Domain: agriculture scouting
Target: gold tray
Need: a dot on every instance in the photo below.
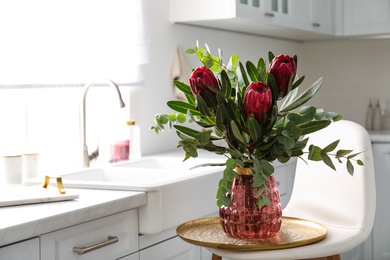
(294, 232)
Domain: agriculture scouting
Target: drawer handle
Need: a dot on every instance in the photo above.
(315, 24)
(269, 14)
(83, 250)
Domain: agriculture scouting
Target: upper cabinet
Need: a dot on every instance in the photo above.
(298, 20)
(366, 17)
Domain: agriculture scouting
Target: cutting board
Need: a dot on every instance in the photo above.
(20, 195)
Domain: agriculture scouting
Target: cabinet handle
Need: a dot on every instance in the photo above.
(83, 250)
(315, 24)
(269, 14)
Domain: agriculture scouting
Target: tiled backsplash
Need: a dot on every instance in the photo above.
(354, 71)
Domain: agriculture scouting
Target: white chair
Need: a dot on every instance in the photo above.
(344, 204)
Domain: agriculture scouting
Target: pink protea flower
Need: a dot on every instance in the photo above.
(257, 101)
(283, 68)
(201, 79)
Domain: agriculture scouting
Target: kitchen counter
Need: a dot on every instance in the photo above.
(25, 221)
(380, 136)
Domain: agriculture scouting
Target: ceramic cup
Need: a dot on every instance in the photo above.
(30, 166)
(11, 169)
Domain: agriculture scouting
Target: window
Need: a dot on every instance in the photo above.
(49, 50)
(70, 41)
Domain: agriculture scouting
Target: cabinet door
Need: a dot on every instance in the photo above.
(322, 16)
(134, 256)
(107, 238)
(314, 16)
(381, 232)
(172, 249)
(366, 17)
(25, 250)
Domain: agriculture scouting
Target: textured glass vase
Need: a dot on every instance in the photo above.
(243, 218)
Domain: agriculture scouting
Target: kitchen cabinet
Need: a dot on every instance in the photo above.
(174, 248)
(315, 16)
(24, 250)
(106, 238)
(366, 17)
(361, 252)
(381, 231)
(303, 20)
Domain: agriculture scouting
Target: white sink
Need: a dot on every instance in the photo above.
(175, 193)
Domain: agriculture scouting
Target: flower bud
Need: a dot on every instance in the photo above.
(283, 68)
(257, 101)
(201, 79)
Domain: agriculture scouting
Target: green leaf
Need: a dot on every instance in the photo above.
(183, 87)
(327, 160)
(289, 99)
(181, 118)
(320, 113)
(308, 112)
(223, 201)
(183, 107)
(271, 56)
(333, 116)
(258, 180)
(203, 108)
(297, 82)
(264, 201)
(236, 131)
(343, 153)
(314, 153)
(203, 137)
(260, 191)
(267, 167)
(187, 131)
(254, 128)
(242, 73)
(261, 68)
(350, 167)
(252, 71)
(305, 96)
(226, 86)
(313, 126)
(331, 147)
(162, 118)
(360, 162)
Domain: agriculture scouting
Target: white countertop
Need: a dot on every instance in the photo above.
(27, 221)
(380, 136)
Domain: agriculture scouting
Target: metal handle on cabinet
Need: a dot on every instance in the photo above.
(83, 250)
(269, 14)
(315, 24)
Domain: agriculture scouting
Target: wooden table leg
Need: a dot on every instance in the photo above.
(333, 257)
(216, 257)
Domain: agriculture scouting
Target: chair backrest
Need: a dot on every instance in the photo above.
(336, 197)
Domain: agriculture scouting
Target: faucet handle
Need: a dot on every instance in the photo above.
(94, 155)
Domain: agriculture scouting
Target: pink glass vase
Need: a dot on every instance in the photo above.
(243, 218)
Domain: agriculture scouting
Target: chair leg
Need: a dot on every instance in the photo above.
(216, 257)
(333, 257)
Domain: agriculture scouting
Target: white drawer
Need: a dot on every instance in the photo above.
(60, 245)
(25, 250)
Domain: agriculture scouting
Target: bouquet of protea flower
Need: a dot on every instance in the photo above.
(237, 115)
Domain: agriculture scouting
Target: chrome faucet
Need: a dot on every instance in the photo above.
(86, 156)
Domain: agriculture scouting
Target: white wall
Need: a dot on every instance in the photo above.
(163, 37)
(354, 71)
